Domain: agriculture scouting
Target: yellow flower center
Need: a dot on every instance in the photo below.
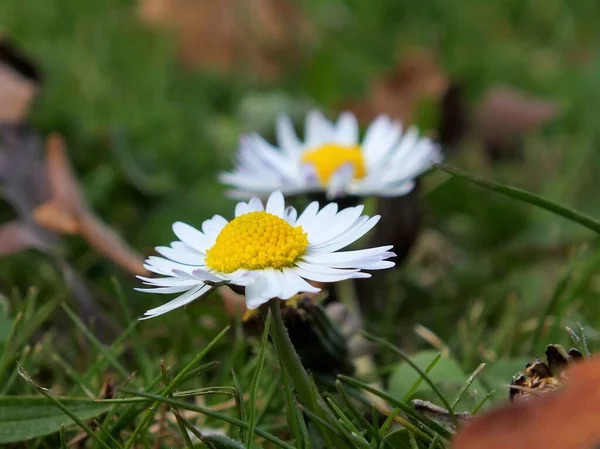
(328, 158)
(255, 241)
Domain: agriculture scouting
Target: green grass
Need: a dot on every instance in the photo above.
(147, 137)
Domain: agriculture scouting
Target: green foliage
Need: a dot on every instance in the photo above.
(446, 374)
(26, 417)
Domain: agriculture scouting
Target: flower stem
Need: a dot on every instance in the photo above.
(289, 358)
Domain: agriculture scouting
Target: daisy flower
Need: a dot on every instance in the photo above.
(332, 159)
(269, 250)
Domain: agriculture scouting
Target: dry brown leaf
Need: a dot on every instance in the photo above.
(108, 243)
(54, 216)
(398, 93)
(506, 113)
(67, 212)
(565, 419)
(226, 34)
(19, 84)
(63, 184)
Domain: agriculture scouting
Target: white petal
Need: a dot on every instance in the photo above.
(340, 224)
(318, 130)
(182, 300)
(260, 291)
(406, 146)
(309, 176)
(274, 158)
(316, 256)
(289, 286)
(400, 190)
(381, 265)
(346, 132)
(286, 136)
(364, 264)
(352, 235)
(185, 275)
(309, 214)
(241, 209)
(256, 204)
(323, 277)
(321, 220)
(184, 257)
(359, 222)
(257, 181)
(163, 290)
(290, 215)
(380, 138)
(204, 275)
(164, 266)
(323, 269)
(180, 246)
(339, 181)
(191, 236)
(299, 282)
(276, 204)
(168, 281)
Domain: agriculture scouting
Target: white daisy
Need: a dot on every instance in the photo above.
(271, 251)
(332, 159)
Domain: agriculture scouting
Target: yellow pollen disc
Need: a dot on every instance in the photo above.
(255, 241)
(328, 158)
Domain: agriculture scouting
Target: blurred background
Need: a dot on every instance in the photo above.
(117, 115)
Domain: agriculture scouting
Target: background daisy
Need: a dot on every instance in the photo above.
(333, 159)
(269, 250)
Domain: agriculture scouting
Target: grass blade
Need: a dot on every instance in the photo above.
(482, 402)
(355, 412)
(256, 381)
(195, 408)
(294, 418)
(239, 400)
(524, 196)
(270, 396)
(423, 374)
(467, 384)
(419, 381)
(140, 349)
(87, 429)
(99, 346)
(169, 388)
(433, 426)
(166, 380)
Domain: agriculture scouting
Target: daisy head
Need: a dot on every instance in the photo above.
(269, 250)
(332, 159)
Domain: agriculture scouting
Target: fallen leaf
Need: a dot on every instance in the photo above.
(506, 113)
(63, 184)
(54, 216)
(67, 211)
(25, 186)
(398, 93)
(108, 243)
(264, 35)
(564, 419)
(19, 83)
(543, 377)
